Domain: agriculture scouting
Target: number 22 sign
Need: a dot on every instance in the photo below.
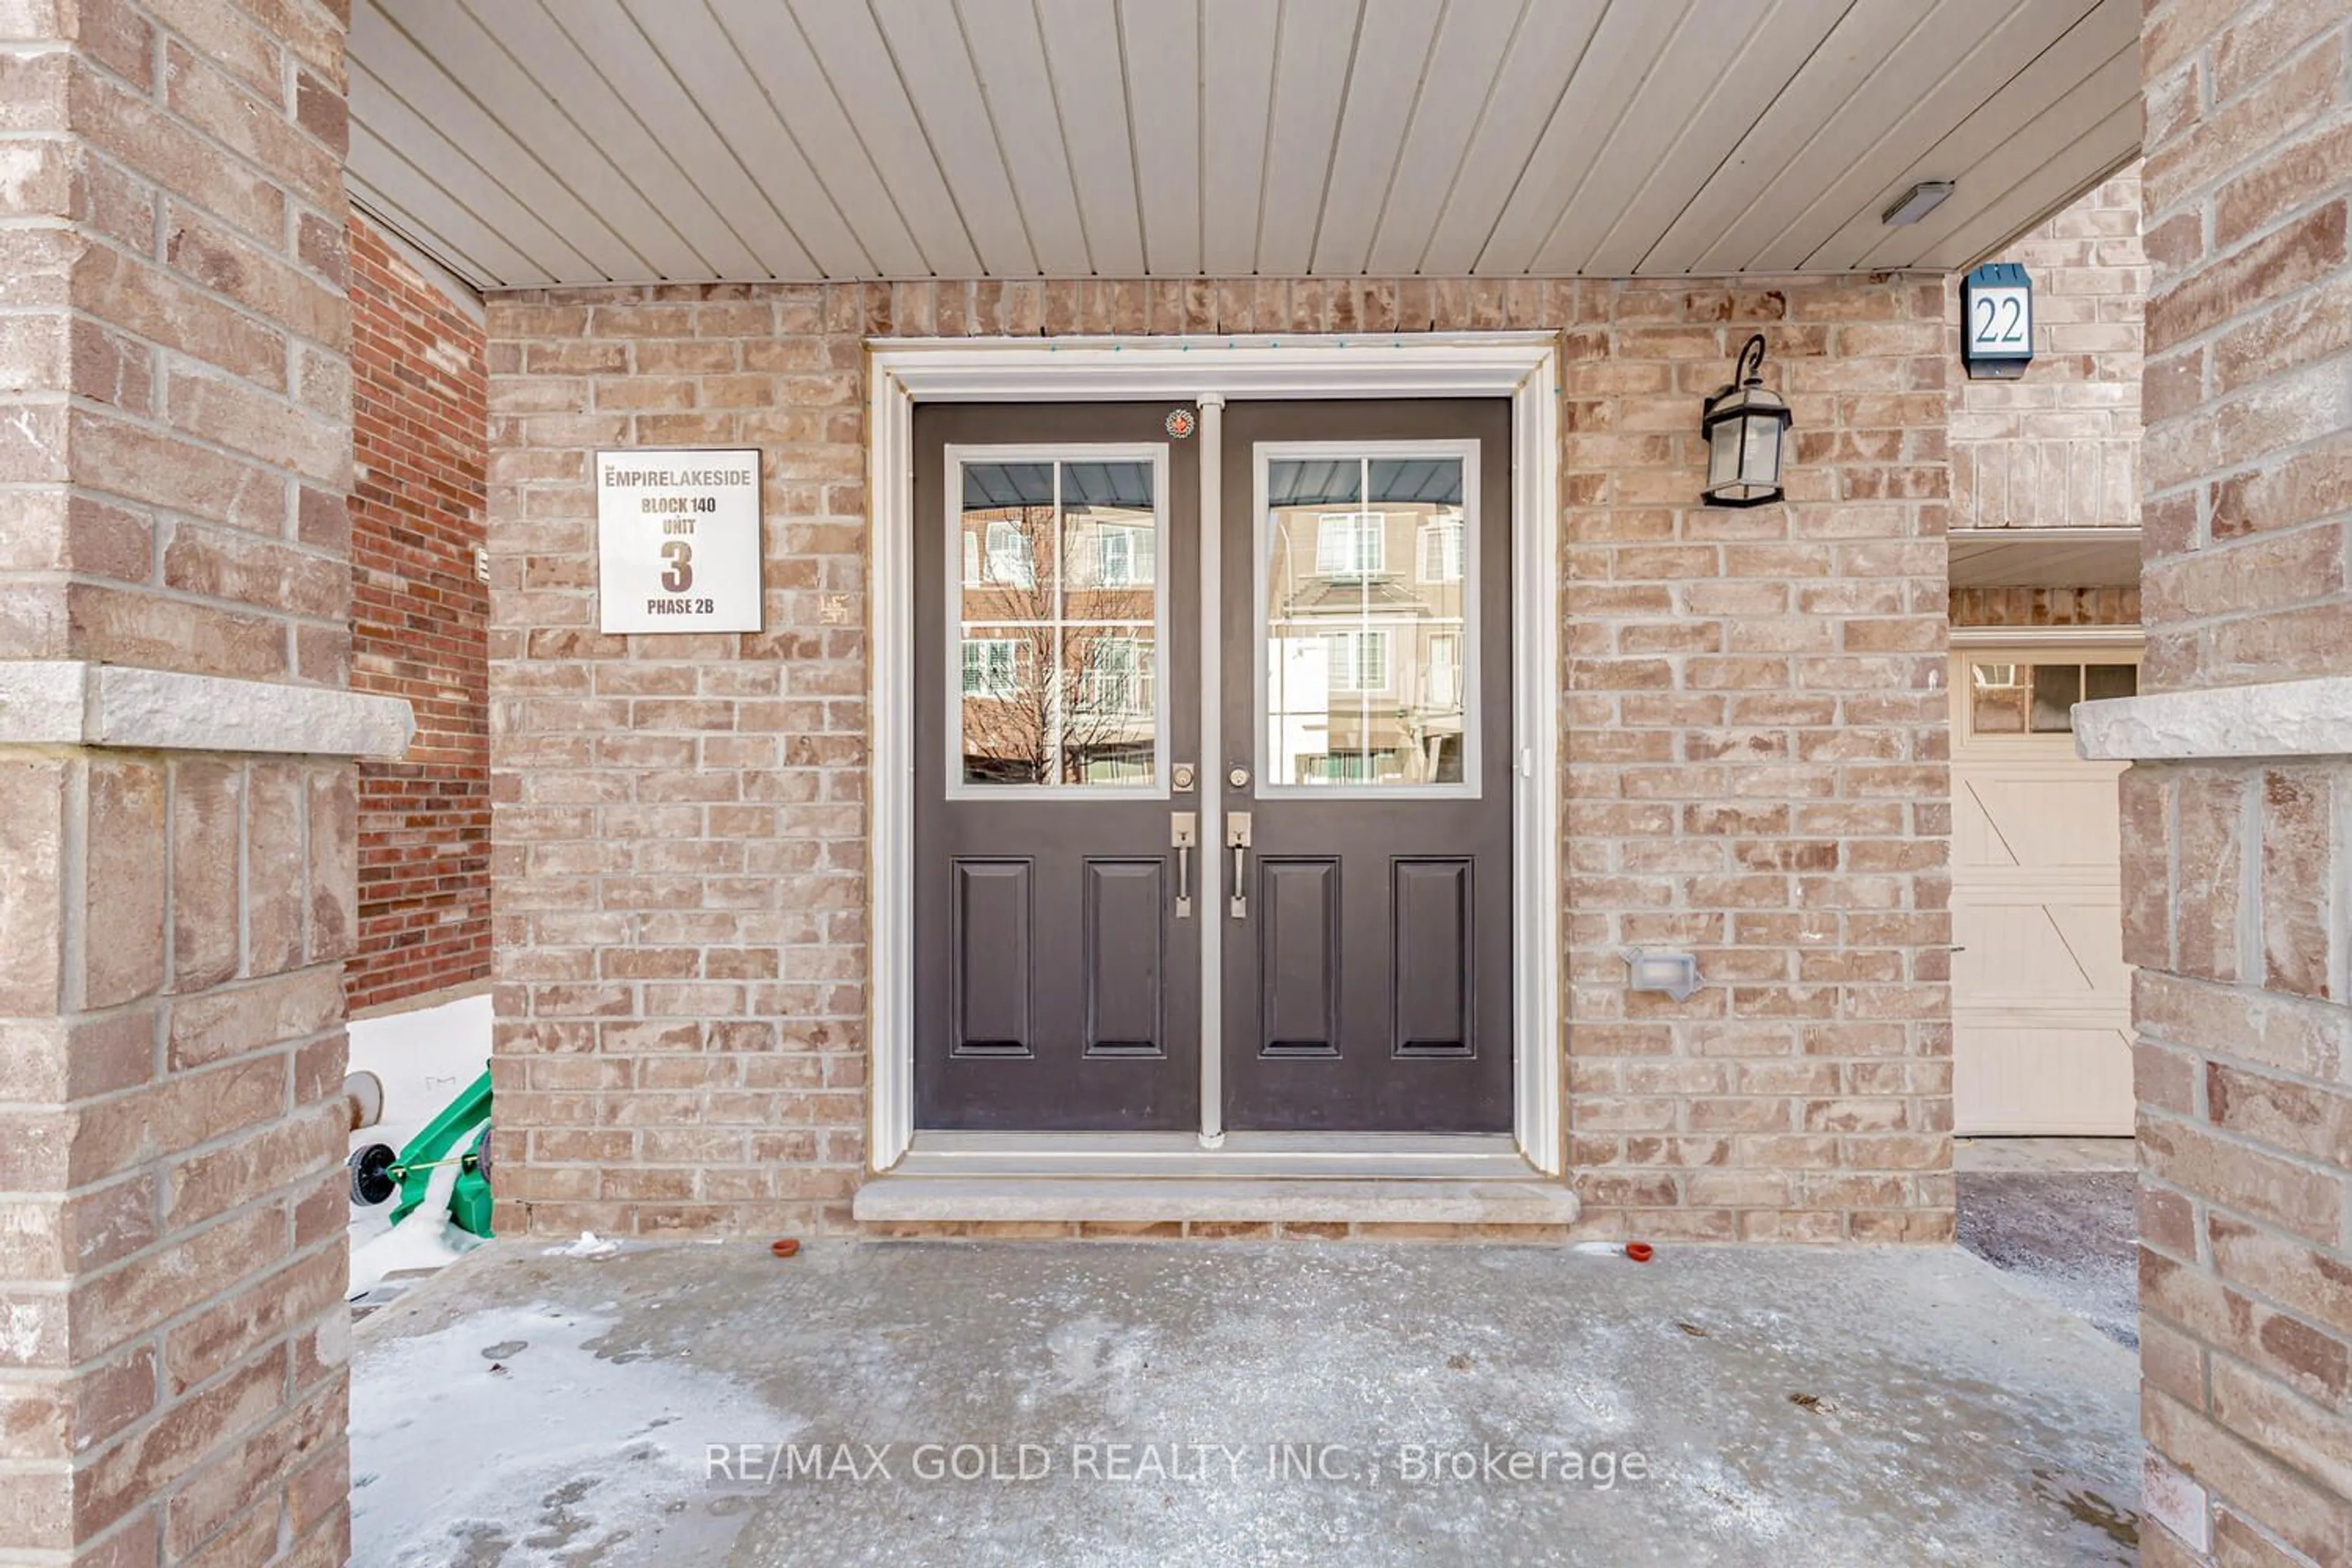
(1997, 320)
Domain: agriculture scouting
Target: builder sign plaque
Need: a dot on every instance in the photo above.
(678, 541)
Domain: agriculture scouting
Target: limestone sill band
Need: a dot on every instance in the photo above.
(74, 702)
(2304, 718)
(2310, 718)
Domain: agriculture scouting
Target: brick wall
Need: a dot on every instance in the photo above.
(419, 628)
(2028, 607)
(2238, 872)
(2059, 447)
(182, 352)
(678, 840)
(1755, 742)
(175, 444)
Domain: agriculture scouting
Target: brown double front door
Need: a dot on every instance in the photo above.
(1307, 763)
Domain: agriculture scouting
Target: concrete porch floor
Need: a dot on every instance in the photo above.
(1865, 1406)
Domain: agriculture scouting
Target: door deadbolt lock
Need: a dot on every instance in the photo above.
(1238, 777)
(1183, 777)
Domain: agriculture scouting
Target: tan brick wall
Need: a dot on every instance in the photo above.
(176, 451)
(2045, 607)
(2059, 447)
(2238, 874)
(1757, 745)
(195, 304)
(1754, 730)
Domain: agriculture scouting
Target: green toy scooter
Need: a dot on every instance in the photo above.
(460, 1135)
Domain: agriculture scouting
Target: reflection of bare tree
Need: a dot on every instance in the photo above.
(1067, 695)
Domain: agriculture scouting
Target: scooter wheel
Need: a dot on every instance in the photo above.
(372, 1178)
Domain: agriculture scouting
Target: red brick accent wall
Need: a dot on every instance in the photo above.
(2238, 872)
(420, 621)
(1754, 723)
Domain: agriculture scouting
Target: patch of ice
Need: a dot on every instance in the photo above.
(1738, 1505)
(557, 1455)
(1091, 1350)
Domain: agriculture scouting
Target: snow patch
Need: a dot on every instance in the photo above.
(425, 1238)
(554, 1454)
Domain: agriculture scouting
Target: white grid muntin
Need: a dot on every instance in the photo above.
(959, 457)
(1467, 673)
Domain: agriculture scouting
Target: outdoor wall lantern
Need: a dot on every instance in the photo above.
(1743, 425)
(1674, 974)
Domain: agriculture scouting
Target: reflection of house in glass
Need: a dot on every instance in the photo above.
(1057, 617)
(1367, 669)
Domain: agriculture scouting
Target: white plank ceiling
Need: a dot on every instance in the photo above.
(532, 141)
(2045, 557)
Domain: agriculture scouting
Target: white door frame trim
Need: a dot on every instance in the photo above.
(1522, 367)
(1976, 640)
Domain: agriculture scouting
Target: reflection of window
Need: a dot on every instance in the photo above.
(1357, 661)
(1444, 671)
(992, 667)
(1441, 550)
(1118, 676)
(1053, 627)
(1008, 556)
(2038, 699)
(1123, 558)
(1351, 544)
(1337, 767)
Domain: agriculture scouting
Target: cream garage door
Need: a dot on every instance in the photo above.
(2040, 997)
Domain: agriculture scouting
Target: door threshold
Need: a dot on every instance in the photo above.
(1316, 1156)
(1250, 1178)
(1247, 1200)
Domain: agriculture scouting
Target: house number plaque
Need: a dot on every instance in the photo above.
(678, 541)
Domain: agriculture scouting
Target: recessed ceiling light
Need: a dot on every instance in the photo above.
(1918, 202)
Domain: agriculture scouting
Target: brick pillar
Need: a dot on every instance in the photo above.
(177, 858)
(2237, 814)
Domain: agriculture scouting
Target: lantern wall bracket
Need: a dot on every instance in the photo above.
(1746, 427)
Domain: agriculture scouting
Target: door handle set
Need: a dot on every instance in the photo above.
(1237, 839)
(1184, 833)
(1184, 837)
